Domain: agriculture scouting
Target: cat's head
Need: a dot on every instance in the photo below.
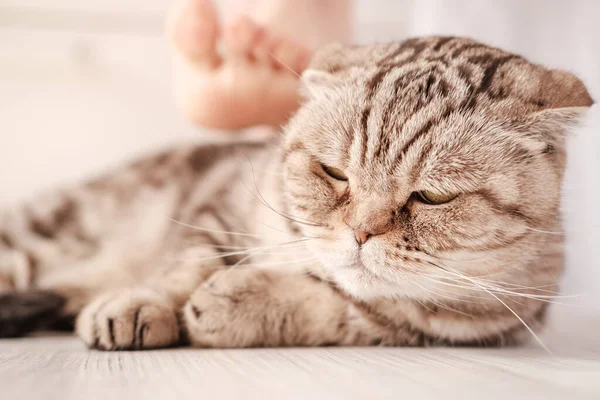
(426, 168)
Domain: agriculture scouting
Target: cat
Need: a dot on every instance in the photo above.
(407, 203)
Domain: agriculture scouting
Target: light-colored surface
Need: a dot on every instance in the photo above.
(85, 84)
(61, 368)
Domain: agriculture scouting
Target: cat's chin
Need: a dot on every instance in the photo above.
(355, 280)
(344, 265)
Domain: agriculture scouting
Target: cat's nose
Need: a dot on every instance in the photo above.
(361, 236)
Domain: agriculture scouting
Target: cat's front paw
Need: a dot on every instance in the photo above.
(231, 309)
(129, 319)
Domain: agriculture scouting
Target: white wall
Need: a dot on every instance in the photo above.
(85, 83)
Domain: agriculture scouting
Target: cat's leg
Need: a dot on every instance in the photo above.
(123, 213)
(143, 316)
(251, 308)
(78, 242)
(146, 316)
(131, 318)
(83, 238)
(53, 247)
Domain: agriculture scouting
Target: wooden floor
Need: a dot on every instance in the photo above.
(60, 367)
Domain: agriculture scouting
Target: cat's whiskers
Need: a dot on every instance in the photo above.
(509, 285)
(496, 290)
(486, 254)
(499, 269)
(438, 257)
(266, 264)
(262, 201)
(452, 309)
(535, 336)
(509, 288)
(255, 250)
(198, 228)
(286, 232)
(439, 304)
(434, 302)
(409, 279)
(197, 243)
(241, 262)
(543, 231)
(424, 306)
(283, 64)
(202, 246)
(227, 270)
(258, 196)
(462, 295)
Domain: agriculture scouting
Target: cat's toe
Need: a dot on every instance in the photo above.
(225, 310)
(206, 316)
(129, 320)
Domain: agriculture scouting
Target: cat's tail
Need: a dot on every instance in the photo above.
(23, 312)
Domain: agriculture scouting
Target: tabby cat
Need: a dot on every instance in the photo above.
(406, 203)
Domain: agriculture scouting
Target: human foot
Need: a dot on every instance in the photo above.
(253, 82)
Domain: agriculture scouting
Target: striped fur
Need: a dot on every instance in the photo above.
(252, 244)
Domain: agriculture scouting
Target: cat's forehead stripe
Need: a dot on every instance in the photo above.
(364, 129)
(485, 64)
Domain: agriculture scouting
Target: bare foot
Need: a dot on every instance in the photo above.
(253, 81)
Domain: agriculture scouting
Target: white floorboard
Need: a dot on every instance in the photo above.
(60, 367)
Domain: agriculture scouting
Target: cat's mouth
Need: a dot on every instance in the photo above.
(357, 263)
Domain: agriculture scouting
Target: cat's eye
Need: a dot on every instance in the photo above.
(429, 197)
(335, 173)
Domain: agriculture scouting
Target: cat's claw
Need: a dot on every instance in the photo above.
(132, 319)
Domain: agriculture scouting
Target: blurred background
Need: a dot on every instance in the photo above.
(85, 84)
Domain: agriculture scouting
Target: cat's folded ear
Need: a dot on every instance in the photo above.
(565, 101)
(318, 84)
(561, 89)
(328, 67)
